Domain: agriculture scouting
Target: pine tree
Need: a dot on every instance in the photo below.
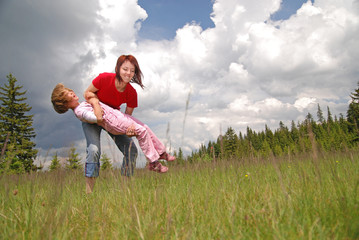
(320, 115)
(73, 160)
(353, 111)
(55, 163)
(16, 129)
(180, 155)
(330, 118)
(105, 162)
(230, 142)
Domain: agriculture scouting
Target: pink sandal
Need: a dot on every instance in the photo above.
(157, 167)
(167, 157)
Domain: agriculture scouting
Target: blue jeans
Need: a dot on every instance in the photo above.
(93, 150)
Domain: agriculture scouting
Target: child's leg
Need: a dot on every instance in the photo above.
(149, 143)
(146, 144)
(90, 183)
(157, 144)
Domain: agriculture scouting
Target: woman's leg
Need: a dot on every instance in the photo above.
(93, 151)
(129, 150)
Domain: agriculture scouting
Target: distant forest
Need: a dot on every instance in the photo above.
(310, 136)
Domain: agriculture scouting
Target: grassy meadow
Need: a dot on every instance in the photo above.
(302, 198)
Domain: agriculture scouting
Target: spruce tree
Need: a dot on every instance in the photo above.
(73, 160)
(16, 129)
(353, 111)
(105, 162)
(55, 163)
(230, 142)
(330, 117)
(320, 115)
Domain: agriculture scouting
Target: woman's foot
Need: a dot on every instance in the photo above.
(156, 166)
(167, 157)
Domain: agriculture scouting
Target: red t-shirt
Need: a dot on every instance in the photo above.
(108, 94)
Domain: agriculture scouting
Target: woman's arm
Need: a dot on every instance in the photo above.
(129, 111)
(91, 97)
(90, 92)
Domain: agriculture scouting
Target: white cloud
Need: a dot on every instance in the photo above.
(245, 71)
(303, 103)
(250, 71)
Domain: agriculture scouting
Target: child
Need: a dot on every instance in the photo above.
(115, 122)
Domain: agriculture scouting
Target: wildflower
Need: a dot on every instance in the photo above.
(246, 175)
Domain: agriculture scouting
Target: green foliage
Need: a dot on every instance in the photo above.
(353, 111)
(73, 162)
(230, 142)
(16, 129)
(105, 162)
(320, 115)
(55, 163)
(328, 135)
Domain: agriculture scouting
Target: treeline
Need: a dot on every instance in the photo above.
(328, 134)
(309, 136)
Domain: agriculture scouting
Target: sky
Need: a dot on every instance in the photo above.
(207, 64)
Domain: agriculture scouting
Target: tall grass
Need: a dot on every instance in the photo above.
(298, 199)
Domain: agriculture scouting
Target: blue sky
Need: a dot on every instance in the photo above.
(242, 65)
(166, 16)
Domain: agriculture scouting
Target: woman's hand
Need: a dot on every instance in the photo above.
(97, 109)
(98, 113)
(129, 111)
(130, 132)
(91, 97)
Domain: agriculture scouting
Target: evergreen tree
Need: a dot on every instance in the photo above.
(320, 115)
(73, 160)
(294, 132)
(16, 128)
(265, 150)
(353, 116)
(330, 118)
(353, 111)
(55, 163)
(180, 155)
(309, 118)
(230, 140)
(105, 162)
(269, 136)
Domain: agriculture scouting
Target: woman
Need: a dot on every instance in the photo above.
(112, 89)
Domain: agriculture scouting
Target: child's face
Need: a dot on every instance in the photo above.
(72, 99)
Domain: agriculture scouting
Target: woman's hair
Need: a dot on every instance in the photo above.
(59, 98)
(138, 74)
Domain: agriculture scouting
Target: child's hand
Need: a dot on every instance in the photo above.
(131, 131)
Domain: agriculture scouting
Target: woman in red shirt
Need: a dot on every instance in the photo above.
(113, 89)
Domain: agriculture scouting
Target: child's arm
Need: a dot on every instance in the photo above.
(89, 117)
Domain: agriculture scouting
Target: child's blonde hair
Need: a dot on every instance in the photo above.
(59, 98)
